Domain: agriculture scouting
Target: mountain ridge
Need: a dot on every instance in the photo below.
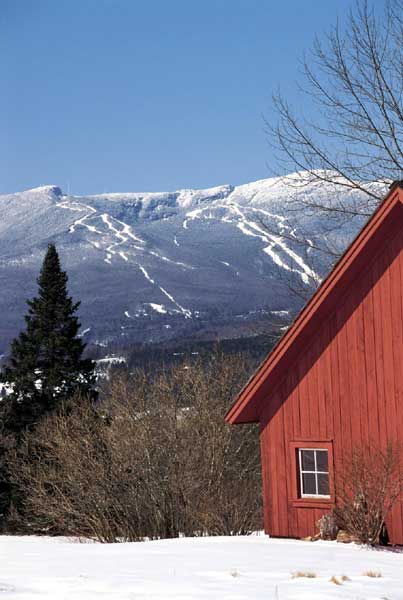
(163, 265)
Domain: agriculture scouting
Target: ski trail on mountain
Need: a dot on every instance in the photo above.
(185, 311)
(124, 234)
(251, 228)
(273, 240)
(126, 240)
(123, 237)
(80, 207)
(169, 260)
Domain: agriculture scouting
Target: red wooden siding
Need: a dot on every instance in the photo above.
(344, 388)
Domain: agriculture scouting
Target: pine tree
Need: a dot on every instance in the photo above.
(46, 365)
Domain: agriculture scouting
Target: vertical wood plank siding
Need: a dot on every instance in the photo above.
(345, 387)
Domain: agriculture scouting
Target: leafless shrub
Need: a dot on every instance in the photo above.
(154, 459)
(328, 527)
(367, 487)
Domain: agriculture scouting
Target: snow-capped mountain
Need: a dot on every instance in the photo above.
(155, 266)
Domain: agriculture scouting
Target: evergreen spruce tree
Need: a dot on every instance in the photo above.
(46, 365)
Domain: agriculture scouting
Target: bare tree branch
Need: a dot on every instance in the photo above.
(353, 79)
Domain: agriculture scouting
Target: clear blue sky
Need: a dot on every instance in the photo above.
(145, 95)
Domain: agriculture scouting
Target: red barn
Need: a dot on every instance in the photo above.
(334, 381)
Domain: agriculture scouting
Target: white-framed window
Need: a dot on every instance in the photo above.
(314, 472)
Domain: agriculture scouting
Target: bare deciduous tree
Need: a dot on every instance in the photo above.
(353, 82)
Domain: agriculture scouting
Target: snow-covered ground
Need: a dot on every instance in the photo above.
(219, 568)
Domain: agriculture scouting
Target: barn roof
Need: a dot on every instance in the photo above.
(384, 223)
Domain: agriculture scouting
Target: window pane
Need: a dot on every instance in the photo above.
(309, 484)
(323, 484)
(308, 460)
(321, 460)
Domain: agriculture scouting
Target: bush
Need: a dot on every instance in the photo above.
(328, 527)
(153, 459)
(371, 484)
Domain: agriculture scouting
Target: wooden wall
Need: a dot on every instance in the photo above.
(345, 388)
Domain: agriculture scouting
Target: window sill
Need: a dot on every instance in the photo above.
(312, 503)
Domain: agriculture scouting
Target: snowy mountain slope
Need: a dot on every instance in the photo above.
(155, 266)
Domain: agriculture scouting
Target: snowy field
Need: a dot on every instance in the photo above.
(202, 568)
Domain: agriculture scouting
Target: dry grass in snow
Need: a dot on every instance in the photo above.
(224, 568)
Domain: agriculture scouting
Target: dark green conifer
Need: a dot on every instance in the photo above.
(46, 365)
